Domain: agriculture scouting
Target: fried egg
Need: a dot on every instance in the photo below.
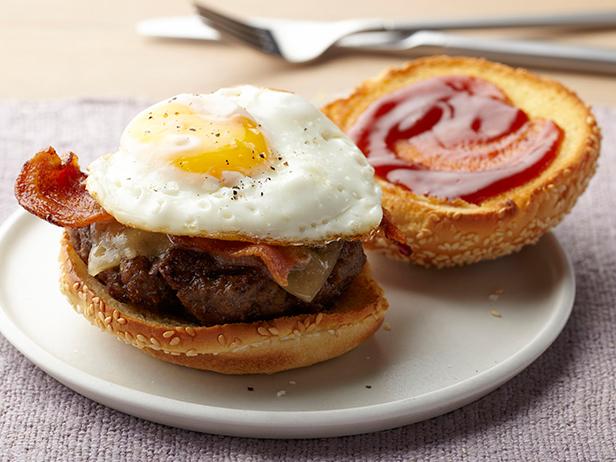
(241, 163)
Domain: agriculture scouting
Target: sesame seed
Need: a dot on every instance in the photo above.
(153, 341)
(273, 331)
(281, 393)
(190, 331)
(496, 314)
(121, 321)
(141, 338)
(221, 339)
(263, 331)
(174, 341)
(168, 333)
(191, 352)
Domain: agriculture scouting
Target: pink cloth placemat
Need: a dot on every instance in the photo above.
(563, 407)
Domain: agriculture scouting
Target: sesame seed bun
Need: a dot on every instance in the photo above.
(449, 233)
(261, 347)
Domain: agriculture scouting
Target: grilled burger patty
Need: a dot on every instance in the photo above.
(194, 284)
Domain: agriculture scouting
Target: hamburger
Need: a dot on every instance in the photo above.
(224, 234)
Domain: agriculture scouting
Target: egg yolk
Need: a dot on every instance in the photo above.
(234, 144)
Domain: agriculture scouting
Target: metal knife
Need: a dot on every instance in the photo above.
(515, 52)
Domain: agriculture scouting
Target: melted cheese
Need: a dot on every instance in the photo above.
(306, 282)
(111, 242)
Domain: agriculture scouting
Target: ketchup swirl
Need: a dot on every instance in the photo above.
(454, 137)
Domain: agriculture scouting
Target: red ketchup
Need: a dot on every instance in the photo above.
(454, 137)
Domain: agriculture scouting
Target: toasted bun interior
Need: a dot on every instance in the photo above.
(446, 233)
(261, 347)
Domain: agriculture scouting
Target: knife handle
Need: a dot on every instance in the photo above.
(515, 52)
(600, 19)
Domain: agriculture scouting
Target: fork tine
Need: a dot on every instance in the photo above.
(250, 39)
(214, 16)
(263, 44)
(257, 37)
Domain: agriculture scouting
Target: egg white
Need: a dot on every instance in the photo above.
(318, 187)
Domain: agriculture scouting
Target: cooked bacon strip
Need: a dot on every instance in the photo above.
(393, 233)
(55, 191)
(278, 260)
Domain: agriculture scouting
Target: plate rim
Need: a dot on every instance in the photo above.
(283, 423)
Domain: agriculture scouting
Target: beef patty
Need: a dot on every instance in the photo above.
(192, 283)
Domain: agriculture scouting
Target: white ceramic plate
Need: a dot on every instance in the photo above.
(447, 342)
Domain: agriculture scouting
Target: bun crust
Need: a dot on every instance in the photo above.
(261, 347)
(450, 233)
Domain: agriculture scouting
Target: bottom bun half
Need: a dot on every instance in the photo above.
(260, 347)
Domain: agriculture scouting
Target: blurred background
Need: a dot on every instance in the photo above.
(74, 48)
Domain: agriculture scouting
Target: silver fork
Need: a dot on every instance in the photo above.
(304, 41)
(296, 42)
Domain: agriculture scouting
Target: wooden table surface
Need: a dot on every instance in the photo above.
(77, 48)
